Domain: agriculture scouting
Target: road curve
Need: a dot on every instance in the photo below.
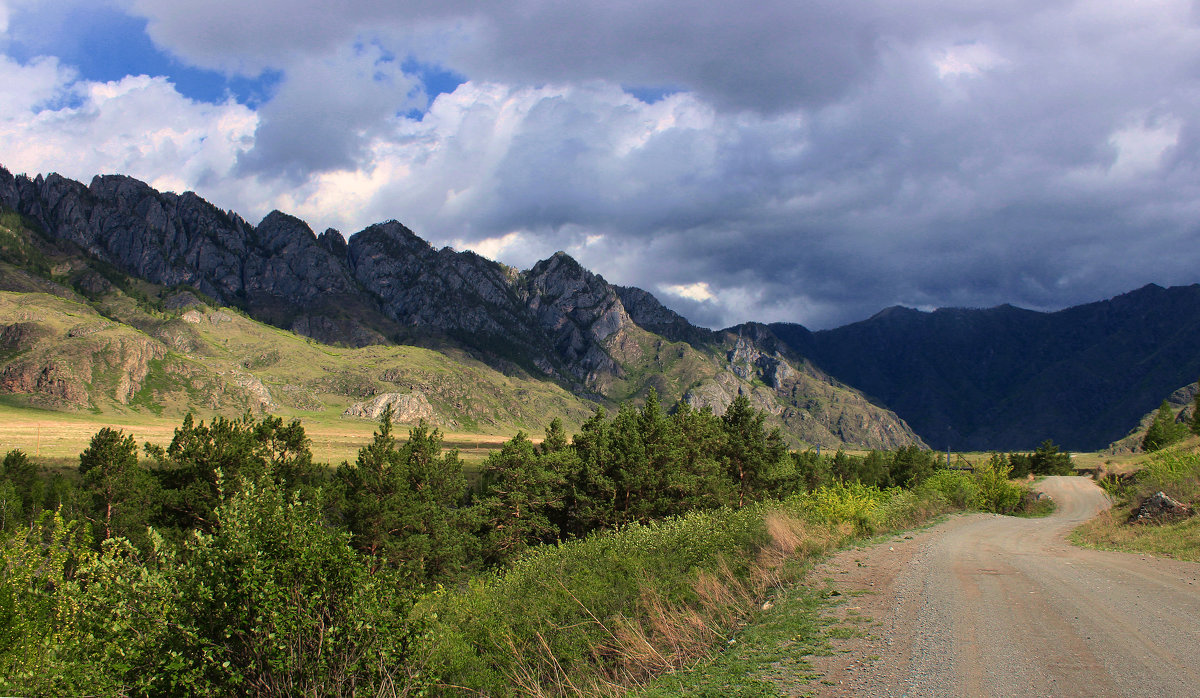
(987, 605)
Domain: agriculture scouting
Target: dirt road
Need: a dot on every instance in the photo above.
(987, 605)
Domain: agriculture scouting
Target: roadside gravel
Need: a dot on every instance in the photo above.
(987, 605)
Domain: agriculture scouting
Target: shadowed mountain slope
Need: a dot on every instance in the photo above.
(1006, 378)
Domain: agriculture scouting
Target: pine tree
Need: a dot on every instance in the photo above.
(405, 506)
(1164, 430)
(1048, 460)
(520, 496)
(593, 489)
(754, 457)
(122, 491)
(698, 480)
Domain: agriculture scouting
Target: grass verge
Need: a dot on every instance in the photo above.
(608, 613)
(1176, 472)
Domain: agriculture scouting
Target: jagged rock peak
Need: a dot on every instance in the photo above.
(333, 241)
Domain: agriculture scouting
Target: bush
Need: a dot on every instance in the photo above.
(272, 602)
(1177, 474)
(996, 493)
(959, 488)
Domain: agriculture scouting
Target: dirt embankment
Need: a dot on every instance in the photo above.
(987, 605)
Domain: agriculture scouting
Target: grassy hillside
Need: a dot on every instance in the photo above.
(117, 358)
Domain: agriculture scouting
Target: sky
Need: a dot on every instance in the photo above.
(810, 162)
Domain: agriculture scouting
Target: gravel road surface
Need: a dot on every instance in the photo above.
(987, 605)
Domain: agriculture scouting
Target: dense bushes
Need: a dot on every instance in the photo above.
(273, 602)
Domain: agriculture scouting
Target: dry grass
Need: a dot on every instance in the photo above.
(1109, 531)
(51, 437)
(666, 637)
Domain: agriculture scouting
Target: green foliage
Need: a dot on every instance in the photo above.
(756, 460)
(1164, 429)
(405, 505)
(911, 465)
(273, 602)
(38, 606)
(21, 490)
(996, 492)
(524, 491)
(202, 460)
(841, 501)
(1048, 460)
(277, 603)
(124, 495)
(1177, 474)
(960, 489)
(811, 470)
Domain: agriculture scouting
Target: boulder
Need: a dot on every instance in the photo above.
(1160, 508)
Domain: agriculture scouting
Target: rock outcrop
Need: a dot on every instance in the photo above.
(1160, 508)
(406, 407)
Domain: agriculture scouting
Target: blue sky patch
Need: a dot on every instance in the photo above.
(103, 45)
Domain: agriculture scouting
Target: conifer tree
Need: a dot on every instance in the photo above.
(521, 494)
(698, 480)
(754, 457)
(405, 506)
(123, 493)
(593, 489)
(1164, 430)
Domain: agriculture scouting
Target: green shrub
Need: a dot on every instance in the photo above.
(840, 502)
(996, 492)
(1177, 474)
(272, 602)
(959, 488)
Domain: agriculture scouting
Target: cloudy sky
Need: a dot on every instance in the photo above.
(810, 161)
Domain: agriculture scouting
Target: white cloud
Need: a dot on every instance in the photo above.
(967, 59)
(494, 247)
(697, 291)
(1140, 148)
(52, 122)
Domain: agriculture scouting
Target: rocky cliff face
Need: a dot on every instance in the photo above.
(387, 285)
(278, 270)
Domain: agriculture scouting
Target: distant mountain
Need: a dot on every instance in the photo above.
(1006, 378)
(118, 240)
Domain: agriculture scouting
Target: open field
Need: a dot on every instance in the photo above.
(58, 437)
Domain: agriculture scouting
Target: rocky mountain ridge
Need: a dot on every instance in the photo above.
(385, 285)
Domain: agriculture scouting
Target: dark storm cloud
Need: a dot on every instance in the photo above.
(812, 161)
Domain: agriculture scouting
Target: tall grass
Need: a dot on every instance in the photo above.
(597, 615)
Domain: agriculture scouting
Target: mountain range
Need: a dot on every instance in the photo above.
(144, 260)
(163, 265)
